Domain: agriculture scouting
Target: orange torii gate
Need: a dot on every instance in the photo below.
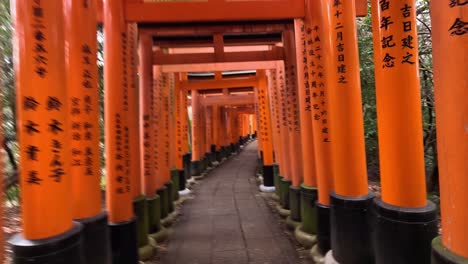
(309, 122)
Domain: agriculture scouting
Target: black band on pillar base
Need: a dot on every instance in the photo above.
(63, 248)
(350, 220)
(323, 228)
(284, 193)
(442, 255)
(268, 176)
(404, 235)
(95, 243)
(170, 197)
(187, 165)
(295, 203)
(308, 209)
(124, 242)
(195, 167)
(163, 196)
(140, 210)
(182, 185)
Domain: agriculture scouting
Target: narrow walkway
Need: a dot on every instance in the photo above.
(228, 222)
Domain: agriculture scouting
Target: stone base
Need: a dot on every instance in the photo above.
(63, 248)
(170, 219)
(185, 192)
(329, 259)
(305, 239)
(316, 256)
(291, 224)
(267, 189)
(442, 255)
(159, 236)
(146, 252)
(283, 212)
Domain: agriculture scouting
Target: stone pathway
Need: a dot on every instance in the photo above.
(228, 222)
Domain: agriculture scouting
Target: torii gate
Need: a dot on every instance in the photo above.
(308, 115)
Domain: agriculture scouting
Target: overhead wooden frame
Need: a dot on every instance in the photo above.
(221, 66)
(220, 84)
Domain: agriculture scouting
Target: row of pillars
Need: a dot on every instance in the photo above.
(311, 134)
(147, 151)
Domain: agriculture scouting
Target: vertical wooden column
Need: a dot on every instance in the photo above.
(318, 31)
(118, 181)
(178, 172)
(196, 137)
(149, 210)
(43, 134)
(258, 124)
(216, 132)
(401, 149)
(349, 243)
(265, 132)
(276, 127)
(308, 190)
(294, 123)
(187, 158)
(83, 121)
(210, 145)
(286, 167)
(450, 36)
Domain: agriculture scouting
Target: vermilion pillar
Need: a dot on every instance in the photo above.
(318, 30)
(401, 147)
(196, 137)
(285, 168)
(185, 131)
(118, 181)
(149, 210)
(169, 139)
(308, 190)
(180, 181)
(265, 132)
(276, 127)
(210, 147)
(294, 123)
(43, 132)
(450, 36)
(216, 132)
(350, 227)
(83, 122)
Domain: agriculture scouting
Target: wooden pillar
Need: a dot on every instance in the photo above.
(118, 181)
(346, 122)
(196, 137)
(265, 132)
(401, 150)
(216, 130)
(149, 209)
(83, 121)
(178, 172)
(187, 156)
(450, 36)
(318, 30)
(294, 123)
(43, 136)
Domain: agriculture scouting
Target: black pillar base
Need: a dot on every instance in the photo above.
(295, 203)
(276, 178)
(176, 183)
(124, 242)
(308, 209)
(350, 221)
(182, 183)
(404, 235)
(164, 198)
(95, 243)
(154, 214)
(268, 176)
(187, 165)
(442, 255)
(195, 167)
(284, 196)
(323, 228)
(64, 248)
(140, 211)
(170, 197)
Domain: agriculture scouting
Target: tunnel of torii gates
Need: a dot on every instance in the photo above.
(286, 72)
